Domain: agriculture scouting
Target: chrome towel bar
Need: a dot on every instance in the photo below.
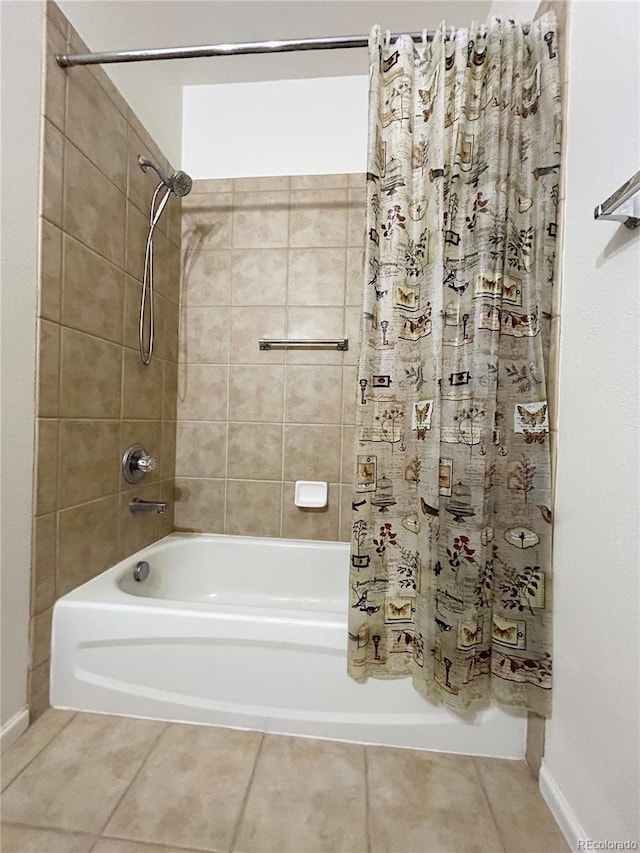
(288, 343)
(619, 206)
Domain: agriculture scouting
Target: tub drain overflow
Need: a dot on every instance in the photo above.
(141, 571)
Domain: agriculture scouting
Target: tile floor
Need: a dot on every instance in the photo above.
(75, 783)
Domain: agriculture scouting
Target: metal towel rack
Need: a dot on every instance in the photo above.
(620, 206)
(287, 343)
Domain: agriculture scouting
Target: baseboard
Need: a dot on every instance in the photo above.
(560, 809)
(13, 728)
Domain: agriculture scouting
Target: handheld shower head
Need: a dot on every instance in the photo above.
(179, 183)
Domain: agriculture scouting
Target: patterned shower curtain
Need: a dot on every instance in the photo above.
(452, 526)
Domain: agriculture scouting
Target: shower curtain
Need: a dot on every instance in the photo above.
(451, 547)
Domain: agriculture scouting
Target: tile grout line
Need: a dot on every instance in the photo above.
(48, 743)
(489, 805)
(143, 763)
(245, 799)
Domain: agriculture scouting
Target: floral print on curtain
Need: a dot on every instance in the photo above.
(451, 549)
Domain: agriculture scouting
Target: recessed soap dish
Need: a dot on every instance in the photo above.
(310, 494)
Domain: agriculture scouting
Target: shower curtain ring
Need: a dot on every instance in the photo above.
(424, 37)
(387, 38)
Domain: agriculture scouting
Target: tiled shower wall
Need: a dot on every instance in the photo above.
(94, 398)
(268, 257)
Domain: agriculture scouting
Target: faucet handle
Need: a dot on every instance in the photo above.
(146, 463)
(136, 462)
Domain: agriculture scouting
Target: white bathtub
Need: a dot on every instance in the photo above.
(249, 633)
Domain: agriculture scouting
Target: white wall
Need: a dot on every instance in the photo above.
(593, 750)
(22, 37)
(281, 127)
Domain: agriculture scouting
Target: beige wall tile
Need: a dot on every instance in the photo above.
(346, 514)
(91, 789)
(50, 271)
(40, 637)
(252, 185)
(46, 465)
(92, 292)
(300, 523)
(43, 563)
(199, 505)
(205, 336)
(137, 231)
(167, 520)
(140, 184)
(137, 530)
(167, 329)
(535, 742)
(56, 19)
(248, 325)
(91, 374)
(207, 275)
(348, 455)
(55, 80)
(37, 694)
(201, 449)
(310, 323)
(356, 217)
(174, 221)
(256, 393)
(52, 159)
(357, 179)
(352, 322)
(94, 209)
(316, 276)
(313, 395)
(87, 542)
(193, 807)
(202, 392)
(89, 461)
(206, 221)
(48, 369)
(319, 182)
(131, 317)
(260, 220)
(318, 217)
(253, 508)
(169, 391)
(167, 466)
(350, 394)
(355, 277)
(87, 106)
(255, 452)
(259, 276)
(149, 434)
(212, 185)
(141, 388)
(312, 453)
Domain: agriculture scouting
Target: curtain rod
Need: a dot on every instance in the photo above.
(148, 55)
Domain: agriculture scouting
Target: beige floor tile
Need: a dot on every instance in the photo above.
(78, 778)
(28, 839)
(307, 796)
(33, 741)
(114, 845)
(426, 802)
(524, 821)
(191, 789)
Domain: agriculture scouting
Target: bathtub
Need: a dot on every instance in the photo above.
(247, 633)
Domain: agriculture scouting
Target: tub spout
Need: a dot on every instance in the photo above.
(138, 505)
